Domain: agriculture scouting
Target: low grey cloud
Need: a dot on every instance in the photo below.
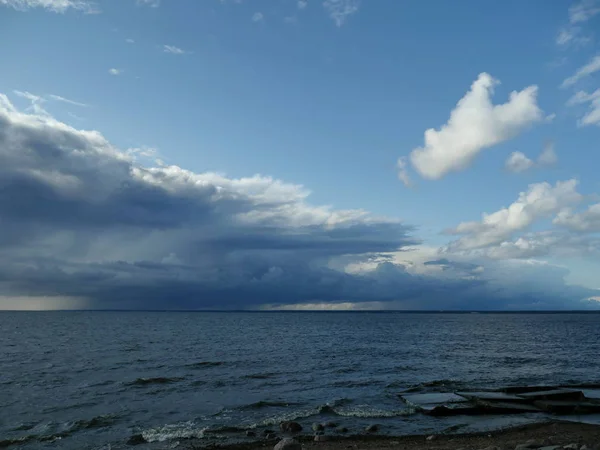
(82, 219)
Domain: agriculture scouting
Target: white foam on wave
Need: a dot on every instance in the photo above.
(183, 430)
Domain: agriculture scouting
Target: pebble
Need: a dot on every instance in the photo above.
(317, 427)
(550, 447)
(584, 447)
(372, 428)
(288, 444)
(492, 447)
(531, 443)
(321, 438)
(290, 427)
(430, 438)
(571, 447)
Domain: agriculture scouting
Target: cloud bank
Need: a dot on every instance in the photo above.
(82, 220)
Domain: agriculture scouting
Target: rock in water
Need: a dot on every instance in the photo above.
(250, 433)
(372, 429)
(265, 432)
(342, 430)
(330, 424)
(288, 444)
(290, 427)
(270, 436)
(136, 439)
(317, 427)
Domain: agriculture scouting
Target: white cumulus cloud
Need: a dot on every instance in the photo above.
(518, 162)
(586, 221)
(474, 125)
(540, 201)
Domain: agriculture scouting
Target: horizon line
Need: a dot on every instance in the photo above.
(377, 311)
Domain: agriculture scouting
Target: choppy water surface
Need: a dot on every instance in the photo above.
(93, 379)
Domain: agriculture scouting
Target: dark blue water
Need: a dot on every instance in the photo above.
(93, 379)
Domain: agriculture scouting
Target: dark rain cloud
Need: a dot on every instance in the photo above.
(79, 218)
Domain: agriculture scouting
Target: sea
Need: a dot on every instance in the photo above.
(94, 380)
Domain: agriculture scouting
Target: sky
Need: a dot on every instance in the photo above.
(299, 154)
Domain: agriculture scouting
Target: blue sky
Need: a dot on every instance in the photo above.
(330, 95)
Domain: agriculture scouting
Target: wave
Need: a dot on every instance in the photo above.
(355, 368)
(54, 409)
(105, 420)
(266, 404)
(435, 385)
(102, 421)
(257, 405)
(355, 383)
(340, 407)
(261, 376)
(224, 429)
(204, 364)
(155, 380)
(184, 430)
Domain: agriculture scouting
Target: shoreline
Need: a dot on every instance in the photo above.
(551, 433)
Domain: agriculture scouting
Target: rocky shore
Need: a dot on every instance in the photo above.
(545, 436)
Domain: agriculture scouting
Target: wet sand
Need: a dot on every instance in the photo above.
(546, 434)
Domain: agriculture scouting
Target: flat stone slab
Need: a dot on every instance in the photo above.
(522, 389)
(555, 394)
(432, 399)
(497, 396)
(452, 409)
(593, 394)
(494, 407)
(558, 407)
